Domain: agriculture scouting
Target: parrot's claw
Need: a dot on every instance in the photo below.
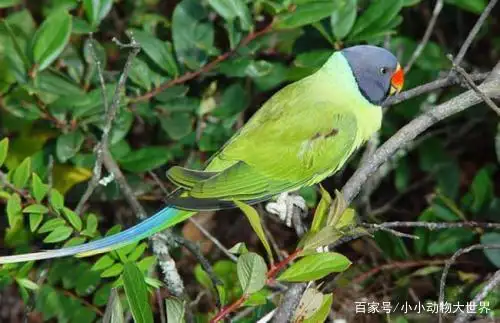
(286, 206)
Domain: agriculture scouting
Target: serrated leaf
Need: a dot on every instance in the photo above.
(36, 208)
(73, 218)
(4, 148)
(35, 220)
(22, 173)
(251, 269)
(315, 267)
(175, 309)
(137, 294)
(51, 38)
(38, 188)
(59, 234)
(254, 219)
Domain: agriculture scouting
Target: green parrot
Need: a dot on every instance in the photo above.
(301, 135)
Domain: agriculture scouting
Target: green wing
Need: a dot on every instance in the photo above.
(297, 138)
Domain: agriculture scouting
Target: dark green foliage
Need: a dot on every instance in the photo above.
(203, 69)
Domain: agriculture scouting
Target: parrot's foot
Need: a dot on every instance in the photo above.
(291, 209)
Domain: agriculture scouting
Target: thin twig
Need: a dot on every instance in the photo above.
(110, 111)
(427, 35)
(474, 87)
(429, 87)
(451, 261)
(433, 225)
(213, 239)
(396, 265)
(473, 33)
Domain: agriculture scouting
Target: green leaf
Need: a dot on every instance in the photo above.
(114, 310)
(175, 309)
(254, 219)
(177, 125)
(35, 220)
(26, 283)
(315, 267)
(238, 249)
(493, 255)
(310, 303)
(137, 253)
(51, 38)
(232, 9)
(38, 188)
(59, 234)
(375, 19)
(91, 225)
(321, 213)
(192, 34)
(56, 199)
(69, 144)
(4, 148)
(475, 6)
(36, 208)
(482, 189)
(73, 218)
(314, 239)
(96, 10)
(305, 14)
(252, 270)
(322, 312)
(113, 271)
(14, 209)
(145, 159)
(103, 262)
(137, 294)
(159, 51)
(9, 3)
(51, 224)
(22, 173)
(497, 144)
(343, 17)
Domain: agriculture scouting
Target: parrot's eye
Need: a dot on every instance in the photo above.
(384, 70)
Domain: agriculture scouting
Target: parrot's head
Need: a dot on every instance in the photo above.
(376, 71)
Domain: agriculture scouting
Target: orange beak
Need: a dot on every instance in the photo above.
(397, 80)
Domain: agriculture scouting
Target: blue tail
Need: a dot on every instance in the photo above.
(163, 219)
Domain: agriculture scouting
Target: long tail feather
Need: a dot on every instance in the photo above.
(165, 218)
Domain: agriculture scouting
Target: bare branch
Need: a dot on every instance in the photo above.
(473, 33)
(427, 35)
